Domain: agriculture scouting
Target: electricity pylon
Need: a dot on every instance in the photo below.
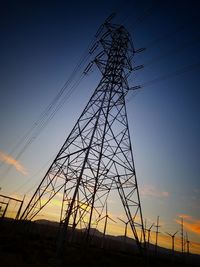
(106, 217)
(97, 157)
(182, 237)
(157, 232)
(149, 234)
(188, 244)
(173, 237)
(125, 230)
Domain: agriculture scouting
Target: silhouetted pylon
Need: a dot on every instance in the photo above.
(187, 244)
(173, 239)
(106, 217)
(182, 237)
(157, 232)
(97, 157)
(149, 234)
(125, 229)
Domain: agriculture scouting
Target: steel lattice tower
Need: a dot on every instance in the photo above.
(97, 155)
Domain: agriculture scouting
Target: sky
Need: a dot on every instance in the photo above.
(41, 44)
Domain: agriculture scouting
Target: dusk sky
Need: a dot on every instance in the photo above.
(41, 44)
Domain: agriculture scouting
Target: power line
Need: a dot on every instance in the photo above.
(172, 51)
(148, 12)
(172, 74)
(30, 179)
(165, 36)
(43, 124)
(129, 13)
(50, 111)
(165, 77)
(57, 102)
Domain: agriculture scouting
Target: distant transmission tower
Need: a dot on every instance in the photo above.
(97, 157)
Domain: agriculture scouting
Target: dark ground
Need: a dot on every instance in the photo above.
(35, 245)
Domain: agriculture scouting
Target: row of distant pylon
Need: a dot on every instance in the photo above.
(185, 243)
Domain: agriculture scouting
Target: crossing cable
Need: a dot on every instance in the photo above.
(37, 133)
(167, 35)
(187, 24)
(54, 106)
(42, 125)
(166, 77)
(169, 53)
(30, 178)
(172, 51)
(60, 93)
(47, 114)
(129, 13)
(50, 111)
(41, 119)
(148, 12)
(172, 74)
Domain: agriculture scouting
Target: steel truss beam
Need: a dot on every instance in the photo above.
(97, 156)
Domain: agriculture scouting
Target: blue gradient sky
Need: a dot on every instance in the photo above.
(42, 41)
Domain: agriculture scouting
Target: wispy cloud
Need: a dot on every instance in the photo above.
(13, 162)
(151, 190)
(190, 223)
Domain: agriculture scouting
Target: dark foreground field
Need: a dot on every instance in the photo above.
(35, 245)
